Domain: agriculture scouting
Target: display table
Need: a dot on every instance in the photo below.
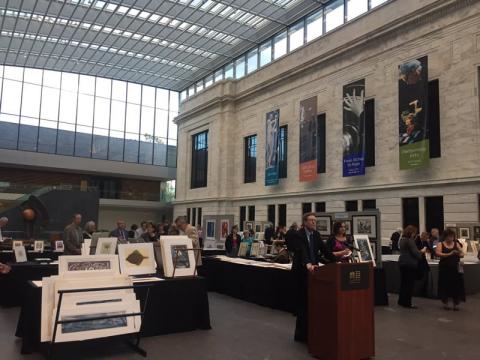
(7, 256)
(175, 305)
(263, 284)
(428, 286)
(14, 285)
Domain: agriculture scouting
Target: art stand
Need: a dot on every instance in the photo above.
(197, 255)
(135, 345)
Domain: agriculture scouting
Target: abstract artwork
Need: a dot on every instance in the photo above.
(210, 229)
(365, 225)
(362, 242)
(137, 259)
(75, 265)
(106, 246)
(178, 260)
(224, 228)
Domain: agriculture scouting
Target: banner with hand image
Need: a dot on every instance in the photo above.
(354, 128)
(414, 142)
(271, 147)
(308, 139)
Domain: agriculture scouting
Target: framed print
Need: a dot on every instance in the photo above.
(38, 246)
(476, 233)
(362, 242)
(224, 229)
(20, 254)
(464, 233)
(258, 227)
(365, 225)
(242, 250)
(474, 247)
(59, 247)
(210, 229)
(249, 225)
(137, 259)
(175, 251)
(106, 246)
(89, 265)
(324, 225)
(16, 243)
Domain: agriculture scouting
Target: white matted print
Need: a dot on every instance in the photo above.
(59, 247)
(89, 265)
(16, 243)
(106, 246)
(365, 225)
(224, 229)
(210, 229)
(464, 233)
(20, 254)
(137, 259)
(243, 249)
(175, 254)
(324, 225)
(362, 242)
(38, 246)
(93, 329)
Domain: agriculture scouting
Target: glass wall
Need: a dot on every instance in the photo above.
(316, 24)
(78, 115)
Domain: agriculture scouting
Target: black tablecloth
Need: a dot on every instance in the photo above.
(9, 256)
(265, 286)
(428, 285)
(175, 305)
(14, 285)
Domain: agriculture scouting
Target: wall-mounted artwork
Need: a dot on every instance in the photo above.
(224, 228)
(324, 225)
(464, 233)
(365, 225)
(210, 229)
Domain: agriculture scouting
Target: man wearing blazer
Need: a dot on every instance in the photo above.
(120, 232)
(308, 251)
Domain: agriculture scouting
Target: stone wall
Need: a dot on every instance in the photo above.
(371, 47)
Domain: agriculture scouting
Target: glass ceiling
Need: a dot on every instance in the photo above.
(165, 44)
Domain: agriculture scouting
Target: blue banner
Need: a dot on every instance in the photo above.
(271, 147)
(354, 129)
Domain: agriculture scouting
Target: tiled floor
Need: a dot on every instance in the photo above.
(245, 331)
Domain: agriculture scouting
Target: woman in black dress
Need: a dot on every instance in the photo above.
(450, 279)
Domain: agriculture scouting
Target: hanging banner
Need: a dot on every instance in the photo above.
(354, 129)
(413, 124)
(308, 139)
(271, 147)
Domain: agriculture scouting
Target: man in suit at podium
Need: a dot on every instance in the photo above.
(308, 250)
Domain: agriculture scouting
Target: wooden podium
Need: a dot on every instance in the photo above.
(340, 308)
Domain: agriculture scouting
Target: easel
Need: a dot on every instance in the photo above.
(197, 254)
(135, 346)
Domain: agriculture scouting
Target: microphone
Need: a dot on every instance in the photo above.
(351, 247)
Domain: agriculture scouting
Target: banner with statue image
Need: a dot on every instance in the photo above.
(354, 128)
(271, 147)
(413, 122)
